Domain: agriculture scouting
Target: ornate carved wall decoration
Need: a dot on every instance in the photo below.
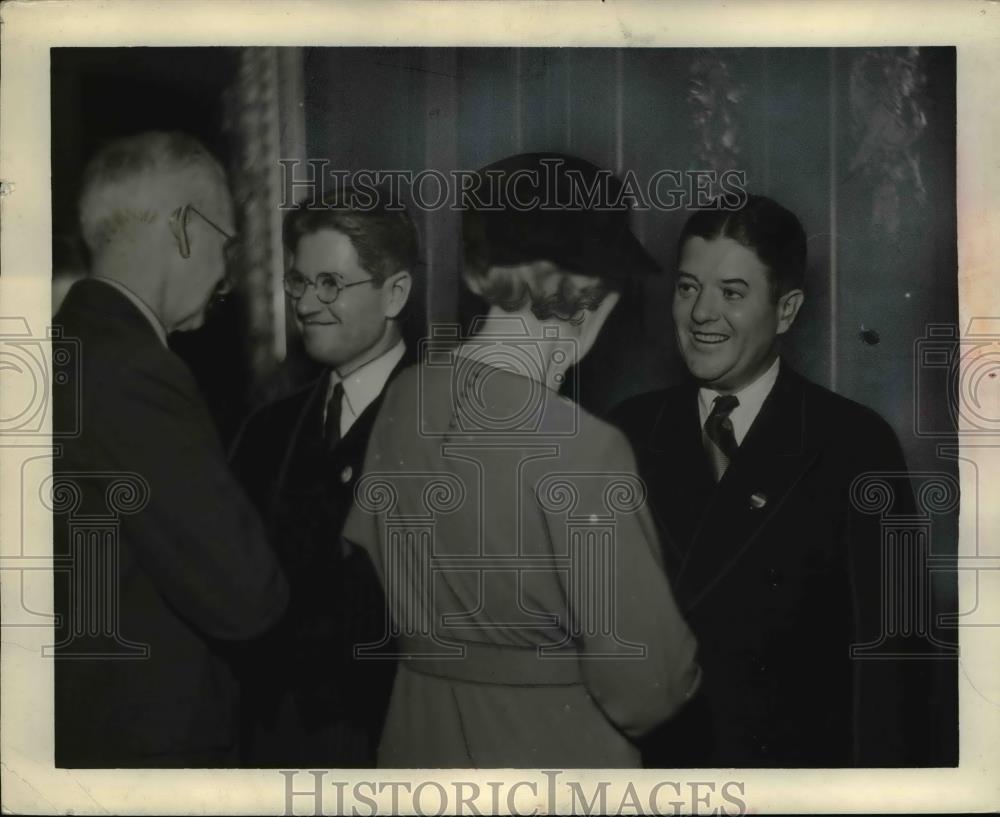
(252, 118)
(887, 119)
(715, 97)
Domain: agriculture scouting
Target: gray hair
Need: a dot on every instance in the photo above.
(132, 179)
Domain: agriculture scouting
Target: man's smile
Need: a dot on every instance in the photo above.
(708, 338)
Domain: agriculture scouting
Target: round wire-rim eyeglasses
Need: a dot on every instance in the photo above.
(231, 249)
(328, 286)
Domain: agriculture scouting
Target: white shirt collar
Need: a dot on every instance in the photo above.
(363, 385)
(751, 399)
(139, 304)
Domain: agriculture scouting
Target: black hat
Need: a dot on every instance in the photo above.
(552, 207)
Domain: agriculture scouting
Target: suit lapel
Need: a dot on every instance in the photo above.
(772, 459)
(357, 435)
(677, 473)
(314, 483)
(306, 435)
(360, 430)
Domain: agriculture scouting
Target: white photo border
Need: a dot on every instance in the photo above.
(31, 785)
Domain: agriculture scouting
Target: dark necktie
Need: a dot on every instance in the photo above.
(720, 440)
(331, 427)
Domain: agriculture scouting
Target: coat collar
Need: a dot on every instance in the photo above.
(667, 438)
(96, 295)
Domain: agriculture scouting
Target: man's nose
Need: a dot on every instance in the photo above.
(308, 303)
(705, 308)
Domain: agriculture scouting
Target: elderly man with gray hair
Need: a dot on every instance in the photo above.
(140, 678)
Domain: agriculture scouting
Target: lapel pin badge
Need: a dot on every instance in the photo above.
(757, 501)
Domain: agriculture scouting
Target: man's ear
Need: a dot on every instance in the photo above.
(396, 292)
(179, 227)
(789, 305)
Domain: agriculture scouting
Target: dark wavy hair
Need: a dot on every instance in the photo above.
(385, 240)
(774, 233)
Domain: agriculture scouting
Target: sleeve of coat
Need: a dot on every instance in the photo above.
(245, 459)
(637, 653)
(198, 538)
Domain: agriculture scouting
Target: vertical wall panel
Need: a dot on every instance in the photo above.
(442, 229)
(593, 115)
(893, 278)
(795, 129)
(364, 107)
(486, 103)
(544, 98)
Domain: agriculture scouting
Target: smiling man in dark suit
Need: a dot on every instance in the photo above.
(187, 560)
(310, 703)
(749, 470)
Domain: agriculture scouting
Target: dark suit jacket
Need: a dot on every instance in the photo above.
(193, 564)
(309, 701)
(778, 575)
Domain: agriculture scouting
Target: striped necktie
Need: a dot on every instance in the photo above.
(720, 441)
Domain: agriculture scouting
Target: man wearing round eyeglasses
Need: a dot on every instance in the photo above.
(346, 312)
(190, 565)
(311, 704)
